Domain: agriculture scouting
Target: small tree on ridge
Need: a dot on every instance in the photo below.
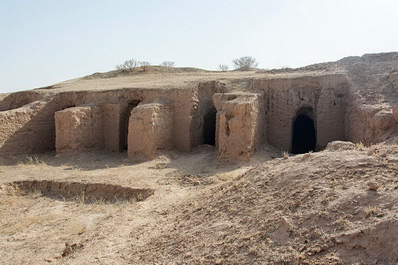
(245, 63)
(128, 65)
(223, 67)
(145, 66)
(167, 64)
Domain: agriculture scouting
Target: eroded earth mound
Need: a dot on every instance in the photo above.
(339, 206)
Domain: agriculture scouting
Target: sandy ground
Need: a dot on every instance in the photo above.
(36, 228)
(337, 206)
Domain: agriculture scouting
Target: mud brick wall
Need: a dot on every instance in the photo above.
(79, 128)
(238, 129)
(150, 129)
(111, 126)
(326, 96)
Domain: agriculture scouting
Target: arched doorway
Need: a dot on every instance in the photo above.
(209, 127)
(303, 134)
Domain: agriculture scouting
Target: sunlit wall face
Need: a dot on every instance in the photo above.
(44, 42)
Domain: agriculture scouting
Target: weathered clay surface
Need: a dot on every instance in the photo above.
(150, 129)
(18, 99)
(394, 78)
(28, 129)
(340, 145)
(383, 120)
(326, 96)
(395, 112)
(239, 130)
(79, 128)
(31, 128)
(111, 122)
(203, 105)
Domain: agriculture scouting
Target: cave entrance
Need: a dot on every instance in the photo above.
(124, 125)
(304, 135)
(209, 127)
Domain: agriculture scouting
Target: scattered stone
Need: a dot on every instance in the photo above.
(372, 186)
(70, 248)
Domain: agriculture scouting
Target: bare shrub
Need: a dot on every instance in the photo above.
(32, 160)
(223, 67)
(245, 63)
(167, 64)
(145, 66)
(128, 65)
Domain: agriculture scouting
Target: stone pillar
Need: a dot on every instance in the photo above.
(150, 129)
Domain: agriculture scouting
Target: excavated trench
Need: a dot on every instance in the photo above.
(77, 191)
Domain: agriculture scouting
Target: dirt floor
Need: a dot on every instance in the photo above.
(40, 224)
(338, 206)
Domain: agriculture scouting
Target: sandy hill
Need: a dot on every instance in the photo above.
(332, 207)
(371, 74)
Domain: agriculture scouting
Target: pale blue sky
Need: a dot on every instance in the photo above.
(46, 41)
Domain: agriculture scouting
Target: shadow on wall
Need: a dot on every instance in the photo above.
(32, 130)
(124, 124)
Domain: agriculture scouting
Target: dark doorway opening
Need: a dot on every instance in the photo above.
(209, 127)
(304, 136)
(124, 125)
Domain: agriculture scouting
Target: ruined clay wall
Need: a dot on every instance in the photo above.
(79, 129)
(150, 129)
(283, 98)
(189, 107)
(111, 114)
(369, 124)
(18, 129)
(239, 131)
(31, 128)
(393, 78)
(2, 96)
(203, 105)
(88, 127)
(182, 103)
(19, 99)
